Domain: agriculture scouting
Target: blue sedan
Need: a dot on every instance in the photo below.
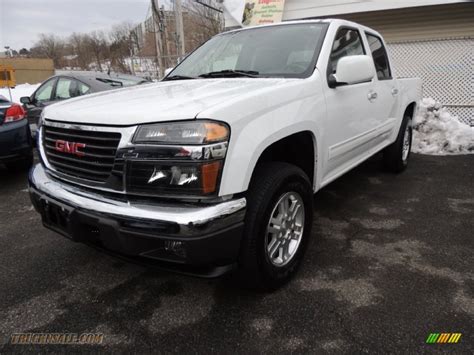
(16, 144)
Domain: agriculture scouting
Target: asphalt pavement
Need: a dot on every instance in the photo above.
(391, 261)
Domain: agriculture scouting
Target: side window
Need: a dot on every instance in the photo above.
(379, 54)
(65, 89)
(82, 88)
(45, 91)
(347, 42)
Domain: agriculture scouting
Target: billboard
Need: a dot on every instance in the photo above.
(261, 12)
(238, 13)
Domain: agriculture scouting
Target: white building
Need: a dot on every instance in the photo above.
(430, 39)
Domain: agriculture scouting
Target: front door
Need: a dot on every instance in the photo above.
(42, 97)
(350, 108)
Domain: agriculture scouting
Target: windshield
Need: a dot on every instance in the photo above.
(277, 51)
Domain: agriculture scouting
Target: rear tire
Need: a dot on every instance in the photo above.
(273, 245)
(396, 155)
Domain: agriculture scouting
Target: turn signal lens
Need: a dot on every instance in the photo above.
(216, 132)
(210, 172)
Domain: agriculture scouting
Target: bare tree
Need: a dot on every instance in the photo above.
(97, 44)
(123, 44)
(206, 19)
(49, 46)
(79, 43)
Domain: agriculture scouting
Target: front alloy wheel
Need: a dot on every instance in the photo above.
(285, 229)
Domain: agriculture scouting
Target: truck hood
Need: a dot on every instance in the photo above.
(163, 101)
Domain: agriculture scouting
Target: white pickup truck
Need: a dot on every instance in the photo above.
(215, 167)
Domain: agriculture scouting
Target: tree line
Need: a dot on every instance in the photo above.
(98, 50)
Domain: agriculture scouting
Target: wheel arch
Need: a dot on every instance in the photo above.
(299, 149)
(410, 110)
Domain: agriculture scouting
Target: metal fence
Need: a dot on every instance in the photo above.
(447, 70)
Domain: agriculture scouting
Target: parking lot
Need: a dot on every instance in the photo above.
(391, 261)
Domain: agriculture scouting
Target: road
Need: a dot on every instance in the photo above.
(391, 260)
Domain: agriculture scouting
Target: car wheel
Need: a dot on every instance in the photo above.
(277, 225)
(20, 165)
(396, 155)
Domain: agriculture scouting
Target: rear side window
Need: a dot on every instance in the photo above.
(379, 54)
(347, 42)
(82, 88)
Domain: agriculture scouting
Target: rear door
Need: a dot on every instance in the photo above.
(349, 109)
(386, 107)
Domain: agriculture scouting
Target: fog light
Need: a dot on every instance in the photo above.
(175, 247)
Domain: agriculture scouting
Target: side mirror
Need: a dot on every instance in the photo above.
(352, 69)
(26, 100)
(167, 71)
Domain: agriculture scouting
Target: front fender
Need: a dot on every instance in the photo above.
(260, 120)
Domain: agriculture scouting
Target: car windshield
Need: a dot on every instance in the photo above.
(277, 51)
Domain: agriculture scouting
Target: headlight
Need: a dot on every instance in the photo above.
(176, 178)
(183, 158)
(191, 132)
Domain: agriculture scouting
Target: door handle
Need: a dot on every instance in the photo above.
(372, 95)
(394, 91)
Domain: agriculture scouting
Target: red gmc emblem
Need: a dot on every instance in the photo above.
(70, 147)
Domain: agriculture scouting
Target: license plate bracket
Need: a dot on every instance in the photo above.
(57, 217)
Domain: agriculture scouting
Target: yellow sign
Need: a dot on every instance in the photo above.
(261, 12)
(7, 76)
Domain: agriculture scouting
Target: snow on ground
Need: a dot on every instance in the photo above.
(437, 132)
(19, 91)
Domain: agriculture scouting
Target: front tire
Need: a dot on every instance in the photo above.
(277, 225)
(396, 155)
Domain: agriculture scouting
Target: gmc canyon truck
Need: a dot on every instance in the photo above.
(214, 168)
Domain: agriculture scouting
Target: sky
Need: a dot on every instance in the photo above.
(22, 20)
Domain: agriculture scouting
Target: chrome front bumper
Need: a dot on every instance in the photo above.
(188, 216)
(211, 234)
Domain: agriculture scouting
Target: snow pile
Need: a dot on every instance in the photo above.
(19, 91)
(437, 132)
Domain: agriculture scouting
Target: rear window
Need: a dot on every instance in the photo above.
(379, 54)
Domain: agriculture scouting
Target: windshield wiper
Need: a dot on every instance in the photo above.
(230, 73)
(179, 77)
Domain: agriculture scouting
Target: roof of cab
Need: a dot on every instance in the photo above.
(334, 21)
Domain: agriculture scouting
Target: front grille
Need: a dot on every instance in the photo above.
(98, 159)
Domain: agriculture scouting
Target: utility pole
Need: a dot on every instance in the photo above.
(178, 11)
(166, 46)
(167, 62)
(157, 35)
